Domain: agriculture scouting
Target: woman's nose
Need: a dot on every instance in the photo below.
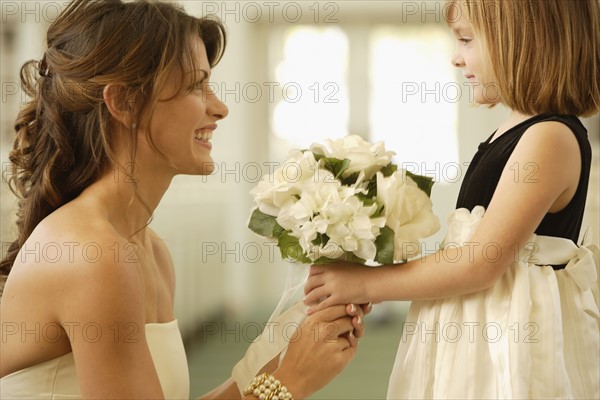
(216, 107)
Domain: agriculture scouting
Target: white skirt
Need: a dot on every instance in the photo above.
(534, 334)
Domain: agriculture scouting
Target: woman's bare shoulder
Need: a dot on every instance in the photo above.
(73, 256)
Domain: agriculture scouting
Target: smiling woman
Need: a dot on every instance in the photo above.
(121, 91)
(186, 112)
(72, 79)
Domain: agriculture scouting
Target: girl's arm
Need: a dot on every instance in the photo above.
(520, 201)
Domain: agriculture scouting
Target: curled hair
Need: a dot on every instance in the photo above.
(63, 143)
(544, 55)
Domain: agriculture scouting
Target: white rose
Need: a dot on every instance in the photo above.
(323, 190)
(299, 168)
(363, 155)
(408, 212)
(277, 189)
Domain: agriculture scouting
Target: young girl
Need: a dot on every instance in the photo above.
(506, 309)
(120, 85)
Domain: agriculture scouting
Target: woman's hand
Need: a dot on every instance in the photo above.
(320, 349)
(335, 284)
(287, 372)
(357, 313)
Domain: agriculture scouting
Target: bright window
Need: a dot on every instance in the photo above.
(408, 97)
(414, 99)
(311, 71)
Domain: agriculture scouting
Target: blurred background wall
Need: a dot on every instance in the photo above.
(294, 72)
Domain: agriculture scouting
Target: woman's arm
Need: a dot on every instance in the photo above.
(520, 201)
(109, 296)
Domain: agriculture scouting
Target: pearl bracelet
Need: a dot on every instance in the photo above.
(267, 387)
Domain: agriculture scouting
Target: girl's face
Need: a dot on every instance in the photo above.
(182, 125)
(467, 57)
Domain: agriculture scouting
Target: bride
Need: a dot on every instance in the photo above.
(121, 85)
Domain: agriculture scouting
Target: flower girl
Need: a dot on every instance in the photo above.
(509, 307)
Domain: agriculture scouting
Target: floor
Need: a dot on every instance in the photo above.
(213, 352)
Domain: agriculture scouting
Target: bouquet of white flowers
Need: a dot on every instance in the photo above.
(344, 200)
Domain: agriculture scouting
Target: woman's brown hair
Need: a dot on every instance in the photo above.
(63, 143)
(543, 55)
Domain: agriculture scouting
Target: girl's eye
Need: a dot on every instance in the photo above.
(465, 40)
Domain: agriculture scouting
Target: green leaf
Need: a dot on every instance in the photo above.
(385, 246)
(366, 200)
(291, 250)
(324, 260)
(378, 211)
(335, 165)
(350, 180)
(424, 183)
(372, 188)
(318, 156)
(321, 240)
(262, 224)
(389, 169)
(277, 230)
(351, 257)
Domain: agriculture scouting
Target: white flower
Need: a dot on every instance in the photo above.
(363, 155)
(281, 187)
(293, 215)
(331, 250)
(330, 219)
(351, 227)
(308, 232)
(315, 195)
(408, 212)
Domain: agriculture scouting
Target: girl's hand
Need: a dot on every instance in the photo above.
(335, 284)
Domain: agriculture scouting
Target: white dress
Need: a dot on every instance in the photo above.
(534, 334)
(57, 378)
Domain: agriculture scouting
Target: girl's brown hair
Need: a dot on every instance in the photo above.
(543, 55)
(62, 142)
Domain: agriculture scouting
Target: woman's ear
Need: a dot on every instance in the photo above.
(115, 98)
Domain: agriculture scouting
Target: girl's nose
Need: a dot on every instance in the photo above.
(457, 60)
